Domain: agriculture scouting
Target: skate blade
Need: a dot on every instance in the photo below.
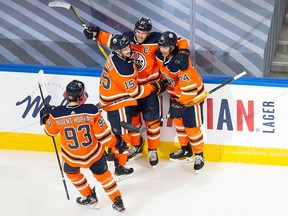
(184, 160)
(135, 157)
(154, 167)
(122, 177)
(121, 213)
(95, 206)
(92, 206)
(198, 171)
(110, 163)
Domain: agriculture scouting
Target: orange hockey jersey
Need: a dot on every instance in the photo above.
(118, 84)
(144, 54)
(83, 133)
(183, 86)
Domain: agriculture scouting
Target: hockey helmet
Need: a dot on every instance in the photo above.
(119, 42)
(143, 24)
(168, 38)
(74, 90)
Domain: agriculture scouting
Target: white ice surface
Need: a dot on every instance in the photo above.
(31, 185)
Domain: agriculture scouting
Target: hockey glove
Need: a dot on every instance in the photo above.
(121, 145)
(175, 109)
(182, 59)
(160, 86)
(89, 31)
(45, 113)
(99, 107)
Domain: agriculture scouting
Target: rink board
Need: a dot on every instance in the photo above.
(243, 121)
(213, 152)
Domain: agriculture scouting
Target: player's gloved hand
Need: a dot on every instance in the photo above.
(175, 109)
(89, 31)
(45, 112)
(98, 106)
(121, 145)
(160, 86)
(182, 59)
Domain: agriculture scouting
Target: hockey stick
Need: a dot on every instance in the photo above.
(133, 128)
(216, 88)
(143, 129)
(114, 102)
(41, 72)
(82, 21)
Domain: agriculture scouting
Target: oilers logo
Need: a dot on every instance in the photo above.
(139, 60)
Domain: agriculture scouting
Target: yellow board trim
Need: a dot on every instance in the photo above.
(212, 152)
(29, 142)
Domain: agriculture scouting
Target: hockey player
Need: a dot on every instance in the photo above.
(84, 133)
(144, 45)
(183, 87)
(119, 92)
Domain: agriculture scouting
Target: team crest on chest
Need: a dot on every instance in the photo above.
(139, 60)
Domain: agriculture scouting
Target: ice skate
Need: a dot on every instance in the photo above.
(135, 152)
(118, 205)
(90, 201)
(199, 162)
(110, 157)
(122, 172)
(183, 155)
(153, 158)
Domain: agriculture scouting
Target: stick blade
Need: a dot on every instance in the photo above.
(40, 75)
(240, 75)
(129, 127)
(41, 72)
(59, 4)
